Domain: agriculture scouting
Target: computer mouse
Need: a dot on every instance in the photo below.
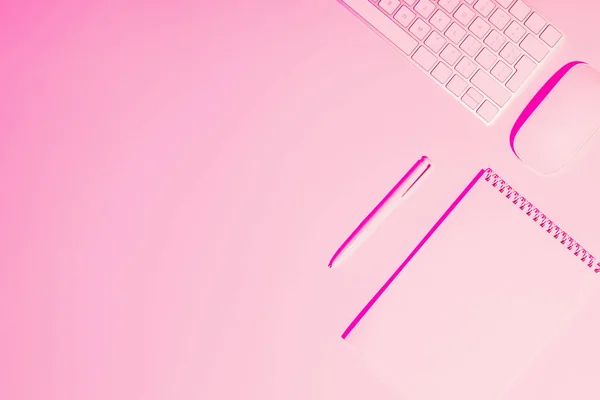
(559, 120)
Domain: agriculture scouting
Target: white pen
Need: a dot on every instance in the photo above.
(381, 212)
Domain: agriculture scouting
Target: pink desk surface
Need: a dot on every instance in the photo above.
(177, 174)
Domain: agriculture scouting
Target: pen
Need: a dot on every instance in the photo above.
(381, 212)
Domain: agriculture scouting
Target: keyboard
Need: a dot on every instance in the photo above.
(482, 52)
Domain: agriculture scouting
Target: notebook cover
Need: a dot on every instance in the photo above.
(476, 301)
(567, 369)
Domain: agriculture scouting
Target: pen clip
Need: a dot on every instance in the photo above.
(423, 161)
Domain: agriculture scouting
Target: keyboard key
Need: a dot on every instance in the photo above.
(450, 54)
(494, 40)
(449, 5)
(524, 68)
(535, 22)
(472, 98)
(510, 53)
(500, 19)
(484, 7)
(515, 32)
(457, 85)
(520, 10)
(501, 71)
(435, 41)
(424, 58)
(405, 16)
(470, 46)
(383, 24)
(486, 58)
(455, 33)
(534, 48)
(487, 111)
(551, 36)
(492, 89)
(479, 27)
(441, 72)
(488, 48)
(389, 6)
(425, 8)
(440, 20)
(465, 67)
(464, 14)
(420, 29)
(505, 3)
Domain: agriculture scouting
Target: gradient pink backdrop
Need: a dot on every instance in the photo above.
(176, 176)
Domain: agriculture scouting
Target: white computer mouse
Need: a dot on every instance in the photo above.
(560, 119)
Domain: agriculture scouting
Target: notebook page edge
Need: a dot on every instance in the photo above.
(426, 238)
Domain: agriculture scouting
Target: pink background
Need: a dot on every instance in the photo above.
(177, 174)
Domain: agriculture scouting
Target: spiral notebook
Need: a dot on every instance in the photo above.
(488, 288)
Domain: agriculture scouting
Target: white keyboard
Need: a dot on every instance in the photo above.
(480, 51)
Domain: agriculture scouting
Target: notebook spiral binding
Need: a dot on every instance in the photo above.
(539, 217)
